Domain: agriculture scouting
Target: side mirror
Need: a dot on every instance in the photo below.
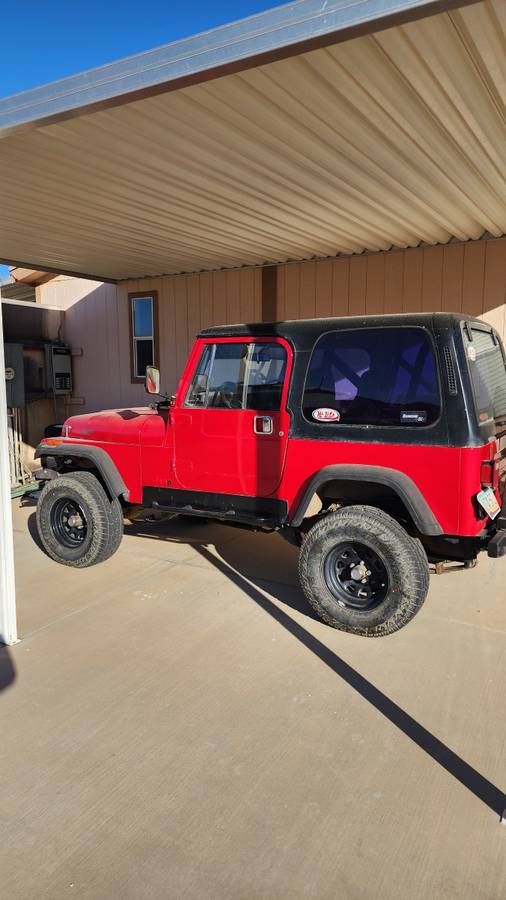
(152, 382)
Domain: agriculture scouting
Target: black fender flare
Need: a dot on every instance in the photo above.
(98, 457)
(404, 487)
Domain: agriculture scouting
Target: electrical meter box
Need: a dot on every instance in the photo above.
(59, 369)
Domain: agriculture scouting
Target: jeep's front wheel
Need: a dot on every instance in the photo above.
(362, 572)
(78, 524)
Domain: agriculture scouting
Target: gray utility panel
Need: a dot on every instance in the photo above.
(14, 375)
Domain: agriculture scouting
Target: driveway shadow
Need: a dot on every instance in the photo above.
(229, 563)
(7, 670)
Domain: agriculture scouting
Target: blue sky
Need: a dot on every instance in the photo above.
(44, 41)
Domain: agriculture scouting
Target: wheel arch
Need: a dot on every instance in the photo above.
(398, 484)
(94, 458)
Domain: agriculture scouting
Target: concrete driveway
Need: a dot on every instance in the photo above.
(176, 724)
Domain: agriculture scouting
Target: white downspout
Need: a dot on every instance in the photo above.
(8, 623)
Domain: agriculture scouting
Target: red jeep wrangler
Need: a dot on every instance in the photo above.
(378, 444)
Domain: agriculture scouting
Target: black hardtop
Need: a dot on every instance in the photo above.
(302, 333)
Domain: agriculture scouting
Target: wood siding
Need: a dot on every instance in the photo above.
(468, 278)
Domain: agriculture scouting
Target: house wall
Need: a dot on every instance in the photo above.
(460, 277)
(468, 277)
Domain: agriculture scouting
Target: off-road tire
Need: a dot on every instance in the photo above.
(104, 519)
(403, 557)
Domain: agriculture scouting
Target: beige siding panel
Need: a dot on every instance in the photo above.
(375, 284)
(251, 295)
(453, 277)
(394, 277)
(474, 276)
(206, 300)
(340, 287)
(308, 290)
(193, 299)
(494, 294)
(233, 288)
(292, 292)
(281, 312)
(432, 279)
(220, 298)
(323, 296)
(358, 285)
(412, 281)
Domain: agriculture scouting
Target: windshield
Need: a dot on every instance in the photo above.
(487, 366)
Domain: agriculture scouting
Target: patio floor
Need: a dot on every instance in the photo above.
(176, 724)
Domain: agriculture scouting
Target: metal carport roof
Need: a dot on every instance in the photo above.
(314, 129)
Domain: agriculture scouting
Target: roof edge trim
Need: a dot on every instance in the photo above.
(287, 30)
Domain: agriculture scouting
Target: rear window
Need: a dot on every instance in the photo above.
(378, 376)
(488, 374)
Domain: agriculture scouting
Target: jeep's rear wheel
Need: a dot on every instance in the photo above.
(362, 572)
(78, 524)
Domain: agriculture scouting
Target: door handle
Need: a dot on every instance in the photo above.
(262, 425)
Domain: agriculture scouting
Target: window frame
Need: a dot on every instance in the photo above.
(251, 341)
(341, 426)
(142, 295)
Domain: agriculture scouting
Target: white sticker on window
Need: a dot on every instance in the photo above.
(325, 414)
(471, 352)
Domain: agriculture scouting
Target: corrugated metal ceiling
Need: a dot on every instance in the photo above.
(387, 140)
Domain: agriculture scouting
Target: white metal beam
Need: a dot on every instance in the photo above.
(8, 621)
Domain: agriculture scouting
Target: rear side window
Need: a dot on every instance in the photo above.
(376, 376)
(488, 374)
(239, 375)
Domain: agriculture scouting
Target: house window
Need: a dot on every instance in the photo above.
(143, 333)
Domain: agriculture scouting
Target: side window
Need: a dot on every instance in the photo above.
(143, 338)
(226, 382)
(381, 376)
(197, 392)
(239, 375)
(266, 376)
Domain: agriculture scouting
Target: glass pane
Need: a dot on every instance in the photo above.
(143, 317)
(198, 389)
(143, 357)
(375, 377)
(227, 376)
(266, 376)
(488, 373)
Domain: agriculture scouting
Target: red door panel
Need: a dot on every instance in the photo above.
(218, 449)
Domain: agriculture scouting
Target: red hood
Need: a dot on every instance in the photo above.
(112, 425)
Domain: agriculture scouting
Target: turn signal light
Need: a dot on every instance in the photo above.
(53, 442)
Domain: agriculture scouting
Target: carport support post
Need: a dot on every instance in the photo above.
(8, 624)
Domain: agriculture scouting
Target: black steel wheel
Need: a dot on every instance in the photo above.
(362, 572)
(356, 575)
(68, 521)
